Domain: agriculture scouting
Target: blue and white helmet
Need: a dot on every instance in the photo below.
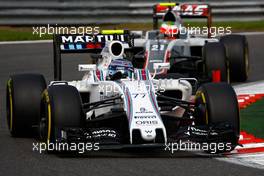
(123, 66)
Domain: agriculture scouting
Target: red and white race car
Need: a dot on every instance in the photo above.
(191, 51)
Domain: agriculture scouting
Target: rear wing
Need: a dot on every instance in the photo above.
(186, 10)
(67, 43)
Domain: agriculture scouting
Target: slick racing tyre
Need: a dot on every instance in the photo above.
(217, 104)
(214, 57)
(237, 54)
(61, 108)
(23, 99)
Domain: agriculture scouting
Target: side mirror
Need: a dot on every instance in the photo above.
(86, 67)
(157, 66)
(161, 66)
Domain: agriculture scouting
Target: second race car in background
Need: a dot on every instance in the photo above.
(190, 55)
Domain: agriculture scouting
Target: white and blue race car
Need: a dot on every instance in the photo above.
(116, 104)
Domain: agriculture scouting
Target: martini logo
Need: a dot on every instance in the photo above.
(91, 38)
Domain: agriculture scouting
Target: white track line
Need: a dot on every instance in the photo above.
(250, 88)
(250, 33)
(249, 160)
(251, 145)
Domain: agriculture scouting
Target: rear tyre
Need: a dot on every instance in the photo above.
(23, 100)
(62, 108)
(214, 56)
(217, 103)
(237, 54)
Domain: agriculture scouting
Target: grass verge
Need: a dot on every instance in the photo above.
(252, 119)
(26, 33)
(19, 34)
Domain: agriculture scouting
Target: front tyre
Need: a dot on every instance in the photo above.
(217, 103)
(62, 108)
(23, 99)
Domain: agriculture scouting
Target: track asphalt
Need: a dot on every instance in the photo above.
(17, 157)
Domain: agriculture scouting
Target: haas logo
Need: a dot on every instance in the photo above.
(194, 9)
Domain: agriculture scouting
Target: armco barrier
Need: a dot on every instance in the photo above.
(29, 12)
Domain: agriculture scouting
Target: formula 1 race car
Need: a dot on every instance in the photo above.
(116, 104)
(189, 53)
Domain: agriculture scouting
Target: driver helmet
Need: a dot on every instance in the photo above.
(170, 26)
(122, 67)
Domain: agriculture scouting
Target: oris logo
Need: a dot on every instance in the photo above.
(147, 122)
